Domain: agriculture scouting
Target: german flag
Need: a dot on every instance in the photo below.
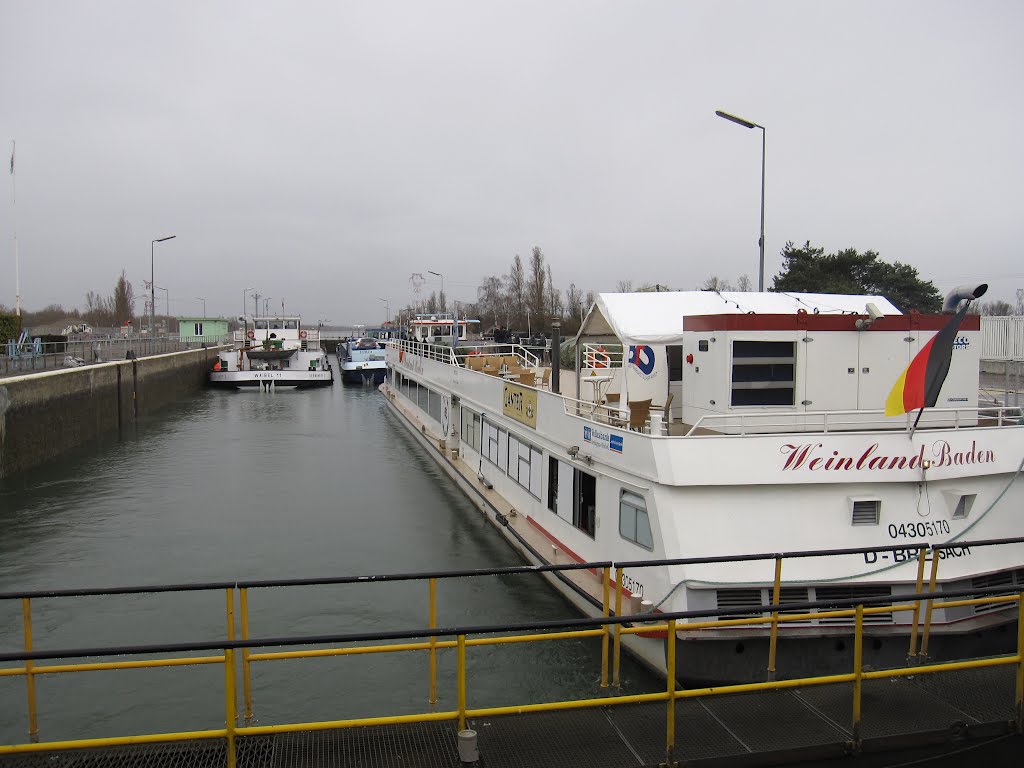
(920, 383)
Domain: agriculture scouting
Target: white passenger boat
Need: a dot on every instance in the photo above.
(271, 352)
(442, 328)
(727, 424)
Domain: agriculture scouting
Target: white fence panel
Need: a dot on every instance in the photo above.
(1002, 338)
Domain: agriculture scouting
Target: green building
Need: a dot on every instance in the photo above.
(202, 330)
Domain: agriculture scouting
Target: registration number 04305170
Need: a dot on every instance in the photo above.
(918, 530)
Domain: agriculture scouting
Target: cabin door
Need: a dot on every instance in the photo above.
(829, 365)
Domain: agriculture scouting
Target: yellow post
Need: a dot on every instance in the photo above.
(670, 726)
(606, 607)
(616, 655)
(461, 674)
(912, 653)
(1019, 696)
(230, 694)
(432, 698)
(30, 681)
(246, 670)
(858, 650)
(932, 581)
(773, 642)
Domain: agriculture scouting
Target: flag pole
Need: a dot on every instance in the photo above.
(17, 259)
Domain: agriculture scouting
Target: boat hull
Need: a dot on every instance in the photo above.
(363, 375)
(271, 379)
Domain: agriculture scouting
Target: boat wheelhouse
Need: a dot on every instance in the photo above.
(699, 425)
(442, 328)
(271, 352)
(362, 360)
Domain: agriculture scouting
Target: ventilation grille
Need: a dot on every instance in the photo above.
(739, 598)
(793, 595)
(1001, 579)
(865, 511)
(855, 592)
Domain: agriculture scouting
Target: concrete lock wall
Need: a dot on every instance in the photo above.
(43, 415)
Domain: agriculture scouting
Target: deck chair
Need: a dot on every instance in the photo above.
(666, 409)
(490, 369)
(639, 410)
(545, 381)
(527, 377)
(475, 362)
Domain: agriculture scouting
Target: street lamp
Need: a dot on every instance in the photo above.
(152, 285)
(748, 124)
(438, 274)
(200, 298)
(245, 291)
(387, 309)
(167, 295)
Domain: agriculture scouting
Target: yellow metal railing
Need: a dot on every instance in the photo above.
(609, 628)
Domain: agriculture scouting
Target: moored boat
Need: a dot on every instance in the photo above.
(700, 425)
(272, 352)
(362, 360)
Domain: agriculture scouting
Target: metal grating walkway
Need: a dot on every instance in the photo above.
(937, 714)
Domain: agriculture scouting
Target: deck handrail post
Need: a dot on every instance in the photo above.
(773, 641)
(912, 653)
(1019, 688)
(617, 652)
(670, 714)
(461, 674)
(605, 610)
(432, 695)
(932, 582)
(230, 692)
(858, 650)
(30, 680)
(243, 595)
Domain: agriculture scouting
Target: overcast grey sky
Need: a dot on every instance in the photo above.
(323, 152)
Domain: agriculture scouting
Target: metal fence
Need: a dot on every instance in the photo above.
(1002, 338)
(15, 360)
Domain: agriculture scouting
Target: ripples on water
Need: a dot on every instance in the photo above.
(250, 485)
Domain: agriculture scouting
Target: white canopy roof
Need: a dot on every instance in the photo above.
(657, 318)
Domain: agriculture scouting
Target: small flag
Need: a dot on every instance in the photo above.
(920, 383)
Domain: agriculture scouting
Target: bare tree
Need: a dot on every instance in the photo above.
(536, 288)
(624, 286)
(554, 300)
(743, 284)
(123, 301)
(574, 302)
(490, 300)
(715, 283)
(515, 283)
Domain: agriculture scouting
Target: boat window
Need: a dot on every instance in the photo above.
(260, 325)
(634, 524)
(584, 513)
(763, 372)
(291, 325)
(492, 443)
(470, 428)
(275, 325)
(525, 464)
(674, 353)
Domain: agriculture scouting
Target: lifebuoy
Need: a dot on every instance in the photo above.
(801, 311)
(302, 334)
(251, 334)
(601, 359)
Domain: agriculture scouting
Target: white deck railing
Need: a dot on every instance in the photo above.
(1002, 338)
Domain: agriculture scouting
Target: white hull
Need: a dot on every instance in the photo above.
(727, 494)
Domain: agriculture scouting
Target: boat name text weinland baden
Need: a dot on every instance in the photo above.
(805, 457)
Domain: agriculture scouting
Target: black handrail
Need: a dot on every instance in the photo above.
(483, 629)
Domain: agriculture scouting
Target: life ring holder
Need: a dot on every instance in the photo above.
(303, 334)
(601, 358)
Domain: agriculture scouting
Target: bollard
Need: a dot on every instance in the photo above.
(468, 751)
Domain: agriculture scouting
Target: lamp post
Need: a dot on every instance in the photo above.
(245, 291)
(748, 124)
(200, 298)
(152, 285)
(438, 274)
(387, 310)
(167, 296)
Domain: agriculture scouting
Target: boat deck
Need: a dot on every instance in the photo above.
(906, 719)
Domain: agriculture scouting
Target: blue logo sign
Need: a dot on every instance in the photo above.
(961, 342)
(615, 443)
(642, 357)
(586, 434)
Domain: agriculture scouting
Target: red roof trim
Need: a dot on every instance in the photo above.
(812, 322)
